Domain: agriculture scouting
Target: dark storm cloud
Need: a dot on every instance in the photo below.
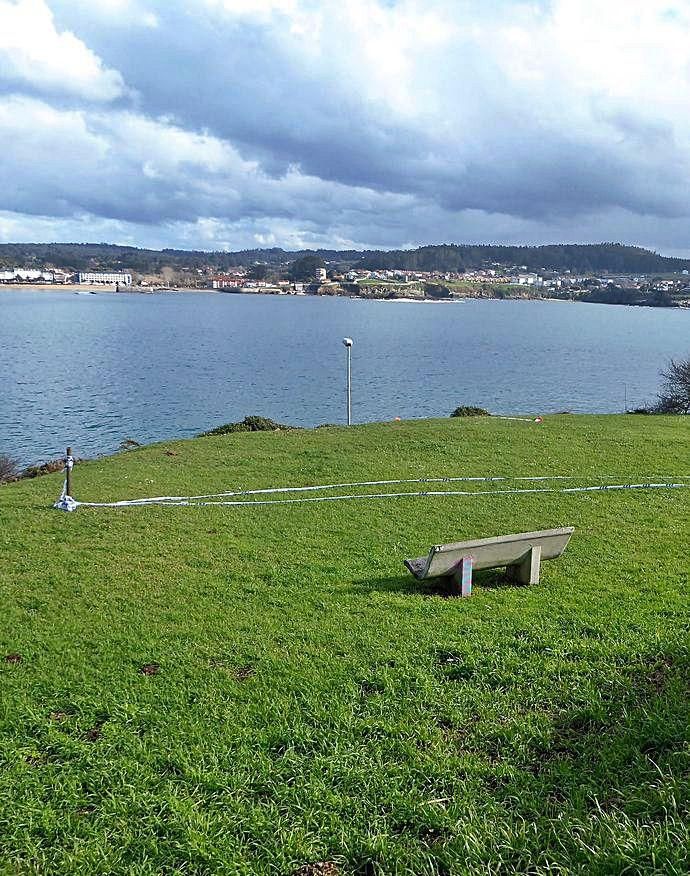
(290, 119)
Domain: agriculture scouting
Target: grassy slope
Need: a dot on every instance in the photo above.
(314, 703)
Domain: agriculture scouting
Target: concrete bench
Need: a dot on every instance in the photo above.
(521, 555)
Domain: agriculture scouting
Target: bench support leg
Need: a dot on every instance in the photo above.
(461, 580)
(526, 571)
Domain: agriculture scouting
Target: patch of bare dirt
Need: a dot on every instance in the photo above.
(658, 675)
(319, 868)
(94, 733)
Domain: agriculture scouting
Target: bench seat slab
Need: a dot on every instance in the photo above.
(490, 553)
(520, 554)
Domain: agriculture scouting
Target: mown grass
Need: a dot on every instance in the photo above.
(306, 702)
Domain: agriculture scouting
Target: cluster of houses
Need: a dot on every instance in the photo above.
(238, 278)
(27, 275)
(500, 278)
(237, 281)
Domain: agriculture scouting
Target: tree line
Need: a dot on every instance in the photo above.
(613, 258)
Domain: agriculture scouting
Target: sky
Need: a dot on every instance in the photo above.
(234, 124)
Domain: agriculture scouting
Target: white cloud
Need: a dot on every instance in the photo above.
(34, 53)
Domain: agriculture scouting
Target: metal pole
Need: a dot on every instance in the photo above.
(68, 471)
(347, 342)
(349, 387)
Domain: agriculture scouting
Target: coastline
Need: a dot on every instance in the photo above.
(53, 287)
(88, 288)
(77, 288)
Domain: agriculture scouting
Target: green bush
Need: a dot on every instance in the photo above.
(249, 424)
(468, 411)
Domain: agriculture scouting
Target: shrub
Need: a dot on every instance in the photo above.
(674, 397)
(468, 411)
(249, 424)
(668, 404)
(44, 468)
(9, 470)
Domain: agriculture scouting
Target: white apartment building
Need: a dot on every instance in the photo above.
(530, 280)
(25, 274)
(105, 277)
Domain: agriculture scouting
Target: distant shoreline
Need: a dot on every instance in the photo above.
(109, 289)
(53, 287)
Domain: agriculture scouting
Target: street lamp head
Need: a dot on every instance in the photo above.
(348, 342)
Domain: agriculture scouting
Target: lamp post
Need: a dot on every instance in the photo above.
(348, 344)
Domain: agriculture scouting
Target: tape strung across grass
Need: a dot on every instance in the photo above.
(229, 498)
(158, 500)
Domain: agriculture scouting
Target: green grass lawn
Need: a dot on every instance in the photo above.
(317, 711)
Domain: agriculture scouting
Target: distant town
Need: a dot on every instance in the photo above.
(313, 274)
(383, 285)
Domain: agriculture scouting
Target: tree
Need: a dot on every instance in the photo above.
(258, 272)
(674, 397)
(305, 268)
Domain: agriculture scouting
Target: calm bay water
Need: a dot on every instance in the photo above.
(91, 370)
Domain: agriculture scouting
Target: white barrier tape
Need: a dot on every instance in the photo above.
(426, 494)
(157, 500)
(161, 500)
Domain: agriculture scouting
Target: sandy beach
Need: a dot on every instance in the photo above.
(55, 287)
(87, 287)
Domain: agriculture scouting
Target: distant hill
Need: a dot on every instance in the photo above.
(581, 258)
(611, 258)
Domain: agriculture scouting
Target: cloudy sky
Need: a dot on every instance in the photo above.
(345, 123)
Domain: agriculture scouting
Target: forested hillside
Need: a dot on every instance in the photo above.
(595, 258)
